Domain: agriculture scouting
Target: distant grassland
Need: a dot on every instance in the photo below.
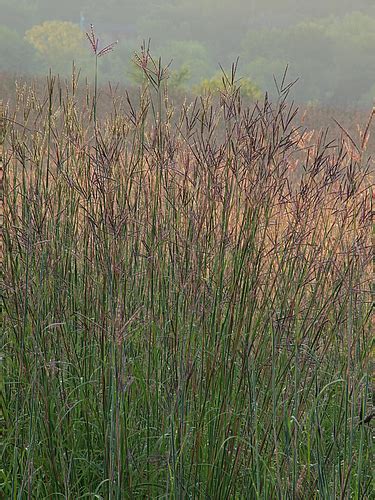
(187, 299)
(311, 116)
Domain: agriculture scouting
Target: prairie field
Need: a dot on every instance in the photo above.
(187, 293)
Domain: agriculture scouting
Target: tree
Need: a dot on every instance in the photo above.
(57, 44)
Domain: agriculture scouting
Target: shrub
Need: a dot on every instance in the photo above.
(218, 83)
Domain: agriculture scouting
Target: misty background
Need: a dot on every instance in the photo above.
(328, 44)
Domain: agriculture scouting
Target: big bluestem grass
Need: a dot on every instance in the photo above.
(187, 300)
(98, 52)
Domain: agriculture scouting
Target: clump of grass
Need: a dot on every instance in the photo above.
(187, 300)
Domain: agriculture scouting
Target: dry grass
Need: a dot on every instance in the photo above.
(188, 293)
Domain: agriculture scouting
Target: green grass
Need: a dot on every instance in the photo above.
(187, 302)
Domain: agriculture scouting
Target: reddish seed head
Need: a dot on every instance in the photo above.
(94, 42)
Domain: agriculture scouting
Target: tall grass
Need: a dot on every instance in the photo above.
(187, 300)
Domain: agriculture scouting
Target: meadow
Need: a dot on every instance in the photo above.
(187, 297)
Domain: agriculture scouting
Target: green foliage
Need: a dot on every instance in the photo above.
(57, 44)
(191, 55)
(179, 78)
(135, 74)
(219, 83)
(333, 58)
(179, 75)
(264, 69)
